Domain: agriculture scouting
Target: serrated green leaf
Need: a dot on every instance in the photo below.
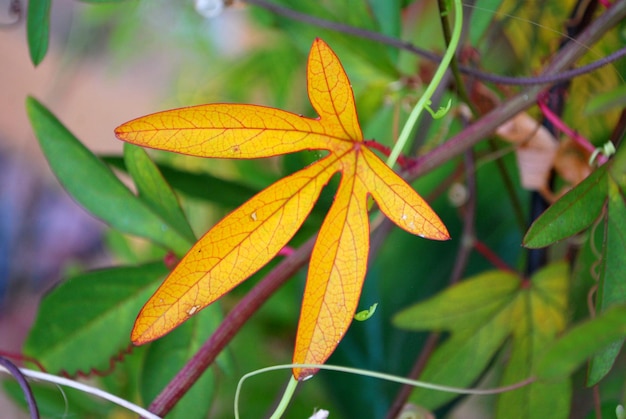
(607, 101)
(86, 321)
(94, 186)
(612, 280)
(571, 214)
(462, 306)
(154, 190)
(568, 353)
(38, 29)
(171, 353)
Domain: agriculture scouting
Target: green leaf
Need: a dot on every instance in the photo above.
(571, 214)
(154, 190)
(461, 360)
(566, 355)
(463, 305)
(478, 313)
(612, 280)
(199, 185)
(607, 101)
(482, 15)
(170, 354)
(387, 15)
(482, 312)
(541, 316)
(93, 185)
(38, 29)
(86, 321)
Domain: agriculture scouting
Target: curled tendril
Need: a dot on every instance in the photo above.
(607, 150)
(439, 113)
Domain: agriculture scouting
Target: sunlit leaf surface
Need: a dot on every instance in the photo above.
(253, 234)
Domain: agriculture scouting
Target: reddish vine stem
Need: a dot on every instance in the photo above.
(486, 125)
(491, 256)
(545, 78)
(558, 123)
(403, 161)
(229, 327)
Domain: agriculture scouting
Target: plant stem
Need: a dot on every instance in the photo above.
(287, 395)
(407, 46)
(454, 63)
(425, 99)
(476, 132)
(488, 123)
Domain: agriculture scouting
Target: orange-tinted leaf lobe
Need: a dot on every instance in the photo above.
(250, 236)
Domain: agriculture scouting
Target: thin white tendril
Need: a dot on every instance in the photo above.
(381, 376)
(42, 376)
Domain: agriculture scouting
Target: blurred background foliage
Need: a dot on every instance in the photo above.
(250, 55)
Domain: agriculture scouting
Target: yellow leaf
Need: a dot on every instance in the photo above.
(253, 234)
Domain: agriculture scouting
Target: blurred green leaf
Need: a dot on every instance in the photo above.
(38, 29)
(571, 214)
(478, 312)
(540, 318)
(389, 19)
(612, 280)
(154, 190)
(568, 353)
(94, 186)
(481, 312)
(86, 321)
(204, 186)
(482, 15)
(606, 101)
(462, 306)
(171, 353)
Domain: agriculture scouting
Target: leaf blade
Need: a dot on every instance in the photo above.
(214, 266)
(336, 274)
(38, 29)
(93, 310)
(155, 191)
(399, 201)
(78, 170)
(612, 280)
(575, 211)
(226, 131)
(330, 93)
